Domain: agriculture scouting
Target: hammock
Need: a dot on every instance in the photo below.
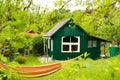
(38, 71)
(33, 71)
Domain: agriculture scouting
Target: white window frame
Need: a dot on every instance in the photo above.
(48, 43)
(90, 44)
(51, 45)
(94, 43)
(70, 44)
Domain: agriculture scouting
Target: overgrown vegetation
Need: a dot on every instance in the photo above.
(82, 69)
(38, 45)
(100, 18)
(21, 59)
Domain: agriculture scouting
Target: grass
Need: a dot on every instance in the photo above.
(102, 69)
(32, 60)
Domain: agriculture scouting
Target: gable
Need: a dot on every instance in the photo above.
(65, 28)
(70, 31)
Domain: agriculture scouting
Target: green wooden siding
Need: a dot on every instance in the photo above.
(94, 51)
(57, 43)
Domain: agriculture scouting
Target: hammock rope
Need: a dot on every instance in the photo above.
(38, 71)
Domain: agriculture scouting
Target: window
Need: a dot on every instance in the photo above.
(89, 44)
(94, 43)
(70, 44)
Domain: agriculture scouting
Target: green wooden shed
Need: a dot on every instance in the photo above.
(67, 40)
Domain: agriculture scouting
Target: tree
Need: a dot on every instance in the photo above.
(100, 18)
(15, 20)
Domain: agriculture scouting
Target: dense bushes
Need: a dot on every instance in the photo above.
(20, 59)
(18, 43)
(37, 45)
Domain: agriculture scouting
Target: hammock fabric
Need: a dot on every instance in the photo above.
(37, 71)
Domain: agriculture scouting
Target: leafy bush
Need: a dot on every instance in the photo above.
(8, 75)
(18, 43)
(21, 59)
(3, 59)
(37, 44)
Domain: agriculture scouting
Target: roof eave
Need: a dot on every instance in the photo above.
(46, 37)
(101, 39)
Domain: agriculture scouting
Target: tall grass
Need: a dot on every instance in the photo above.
(102, 69)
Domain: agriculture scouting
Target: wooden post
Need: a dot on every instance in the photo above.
(44, 45)
(47, 50)
(104, 50)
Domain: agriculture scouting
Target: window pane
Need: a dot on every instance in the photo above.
(74, 39)
(65, 47)
(94, 43)
(89, 44)
(66, 39)
(74, 47)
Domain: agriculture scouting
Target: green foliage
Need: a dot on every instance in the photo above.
(8, 75)
(21, 59)
(19, 42)
(85, 55)
(100, 18)
(37, 44)
(3, 59)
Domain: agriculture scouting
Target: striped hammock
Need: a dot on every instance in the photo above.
(37, 71)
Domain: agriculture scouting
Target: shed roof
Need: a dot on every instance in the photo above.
(101, 39)
(61, 24)
(56, 27)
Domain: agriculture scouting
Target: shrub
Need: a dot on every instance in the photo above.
(8, 75)
(37, 45)
(3, 59)
(21, 59)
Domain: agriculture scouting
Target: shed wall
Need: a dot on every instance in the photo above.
(94, 51)
(57, 43)
(72, 31)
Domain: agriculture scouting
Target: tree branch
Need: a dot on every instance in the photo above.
(28, 6)
(65, 3)
(112, 4)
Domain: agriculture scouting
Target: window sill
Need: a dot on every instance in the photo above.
(70, 52)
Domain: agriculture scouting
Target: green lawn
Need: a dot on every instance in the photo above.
(102, 69)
